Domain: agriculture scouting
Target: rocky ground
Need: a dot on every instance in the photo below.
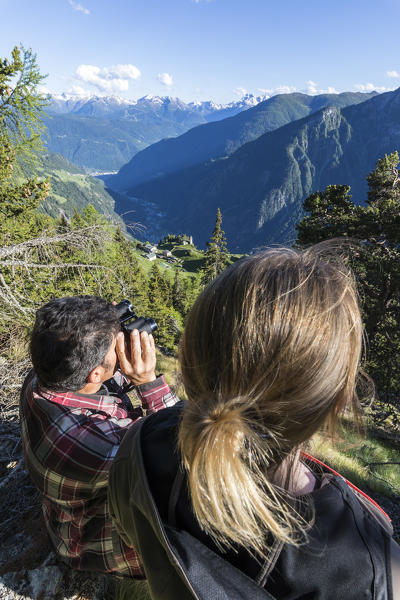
(29, 569)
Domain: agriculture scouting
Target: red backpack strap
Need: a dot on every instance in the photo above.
(372, 506)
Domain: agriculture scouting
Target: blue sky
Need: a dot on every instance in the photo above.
(207, 49)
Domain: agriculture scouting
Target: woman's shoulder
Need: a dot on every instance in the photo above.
(350, 493)
(167, 418)
(161, 457)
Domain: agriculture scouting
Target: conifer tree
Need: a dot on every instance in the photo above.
(166, 291)
(21, 109)
(21, 105)
(168, 319)
(179, 298)
(154, 290)
(216, 258)
(375, 260)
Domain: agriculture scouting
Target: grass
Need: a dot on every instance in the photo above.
(359, 458)
(132, 590)
(168, 365)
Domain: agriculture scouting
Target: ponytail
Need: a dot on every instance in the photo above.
(227, 462)
(270, 352)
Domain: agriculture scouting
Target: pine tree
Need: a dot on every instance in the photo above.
(166, 291)
(154, 290)
(169, 321)
(21, 109)
(21, 105)
(383, 181)
(331, 213)
(216, 258)
(179, 297)
(375, 260)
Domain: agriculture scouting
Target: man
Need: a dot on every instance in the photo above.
(74, 414)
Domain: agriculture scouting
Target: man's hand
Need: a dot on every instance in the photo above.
(140, 363)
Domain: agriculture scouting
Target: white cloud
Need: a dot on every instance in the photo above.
(78, 90)
(79, 7)
(313, 90)
(122, 72)
(281, 89)
(393, 74)
(311, 87)
(370, 87)
(240, 91)
(165, 79)
(108, 79)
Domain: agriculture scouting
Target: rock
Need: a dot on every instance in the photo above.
(53, 581)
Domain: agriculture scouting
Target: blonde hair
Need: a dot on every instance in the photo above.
(270, 352)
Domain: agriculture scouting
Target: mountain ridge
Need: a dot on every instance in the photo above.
(260, 188)
(102, 133)
(214, 140)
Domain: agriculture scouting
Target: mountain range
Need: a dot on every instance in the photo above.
(101, 133)
(220, 139)
(261, 186)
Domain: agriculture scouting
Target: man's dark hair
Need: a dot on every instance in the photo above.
(71, 336)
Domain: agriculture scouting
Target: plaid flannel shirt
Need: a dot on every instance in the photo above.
(70, 440)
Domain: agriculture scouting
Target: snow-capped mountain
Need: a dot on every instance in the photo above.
(101, 133)
(87, 105)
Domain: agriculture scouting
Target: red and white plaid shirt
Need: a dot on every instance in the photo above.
(70, 440)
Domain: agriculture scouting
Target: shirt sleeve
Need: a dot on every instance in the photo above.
(156, 395)
(96, 439)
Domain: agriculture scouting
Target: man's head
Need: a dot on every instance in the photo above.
(73, 342)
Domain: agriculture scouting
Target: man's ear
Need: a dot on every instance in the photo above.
(96, 375)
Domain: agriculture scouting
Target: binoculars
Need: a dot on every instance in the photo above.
(130, 321)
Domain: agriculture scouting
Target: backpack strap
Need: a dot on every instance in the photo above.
(174, 495)
(371, 506)
(269, 564)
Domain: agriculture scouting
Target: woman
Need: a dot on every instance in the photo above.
(233, 509)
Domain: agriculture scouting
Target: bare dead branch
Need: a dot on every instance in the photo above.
(21, 263)
(12, 299)
(43, 253)
(77, 237)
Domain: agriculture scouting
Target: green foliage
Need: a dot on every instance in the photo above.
(178, 294)
(331, 214)
(171, 240)
(21, 106)
(160, 306)
(70, 188)
(375, 260)
(216, 258)
(81, 252)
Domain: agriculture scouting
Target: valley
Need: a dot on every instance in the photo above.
(257, 159)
